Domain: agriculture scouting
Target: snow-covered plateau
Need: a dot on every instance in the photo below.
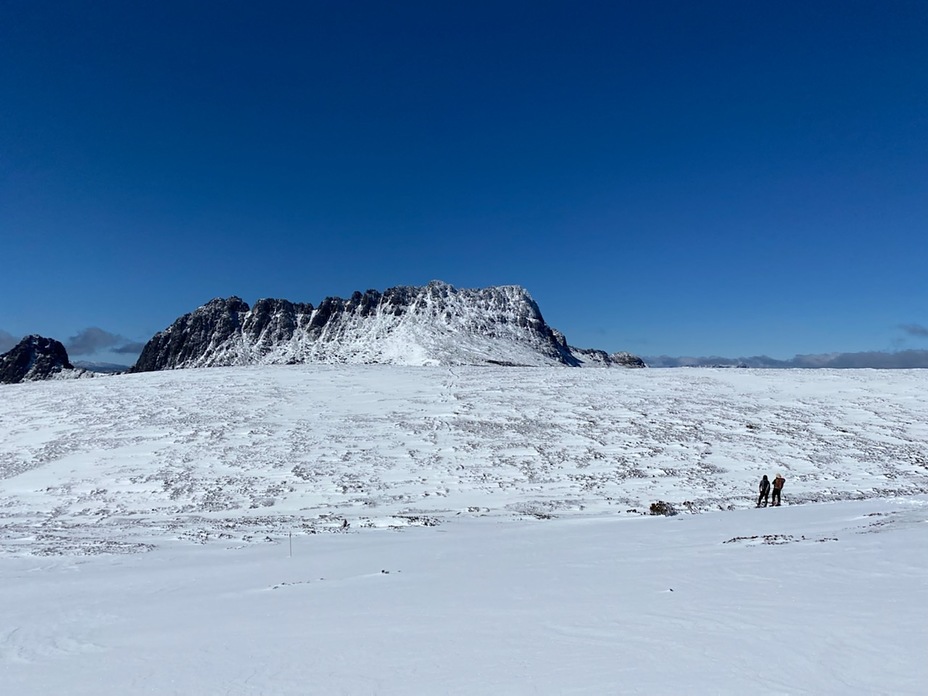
(316, 529)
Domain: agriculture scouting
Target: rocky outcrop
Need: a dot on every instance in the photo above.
(437, 324)
(591, 357)
(34, 358)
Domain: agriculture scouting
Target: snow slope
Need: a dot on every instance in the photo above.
(249, 451)
(388, 530)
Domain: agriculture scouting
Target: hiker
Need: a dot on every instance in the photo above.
(764, 491)
(777, 488)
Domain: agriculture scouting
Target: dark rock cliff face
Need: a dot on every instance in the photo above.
(33, 358)
(432, 325)
(192, 335)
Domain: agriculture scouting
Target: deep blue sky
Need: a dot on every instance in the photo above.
(682, 178)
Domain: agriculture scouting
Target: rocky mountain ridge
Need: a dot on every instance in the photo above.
(437, 324)
(35, 358)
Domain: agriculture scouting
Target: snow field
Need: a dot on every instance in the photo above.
(815, 599)
(246, 452)
(462, 531)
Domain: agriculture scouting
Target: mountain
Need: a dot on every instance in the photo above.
(591, 357)
(879, 360)
(437, 324)
(106, 368)
(34, 358)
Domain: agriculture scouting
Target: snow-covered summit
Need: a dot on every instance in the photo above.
(437, 324)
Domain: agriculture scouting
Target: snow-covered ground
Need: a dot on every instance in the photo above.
(386, 530)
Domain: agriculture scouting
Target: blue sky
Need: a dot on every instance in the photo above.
(713, 178)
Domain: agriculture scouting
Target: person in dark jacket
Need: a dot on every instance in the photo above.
(764, 491)
(777, 489)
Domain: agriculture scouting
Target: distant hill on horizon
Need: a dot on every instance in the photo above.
(878, 360)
